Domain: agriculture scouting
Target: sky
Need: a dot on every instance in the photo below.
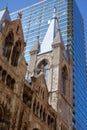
(14, 5)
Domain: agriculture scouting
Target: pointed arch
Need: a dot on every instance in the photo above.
(64, 79)
(16, 53)
(43, 66)
(9, 40)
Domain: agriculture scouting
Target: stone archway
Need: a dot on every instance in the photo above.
(43, 67)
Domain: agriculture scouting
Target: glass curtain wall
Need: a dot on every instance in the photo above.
(79, 58)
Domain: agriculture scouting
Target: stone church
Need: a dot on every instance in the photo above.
(42, 98)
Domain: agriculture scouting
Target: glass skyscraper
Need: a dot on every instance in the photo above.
(35, 21)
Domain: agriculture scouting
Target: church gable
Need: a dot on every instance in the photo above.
(13, 42)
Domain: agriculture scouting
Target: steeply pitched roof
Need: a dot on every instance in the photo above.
(4, 14)
(50, 34)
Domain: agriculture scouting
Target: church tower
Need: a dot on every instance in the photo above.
(52, 58)
(12, 72)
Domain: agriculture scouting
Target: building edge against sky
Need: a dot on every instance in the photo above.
(35, 22)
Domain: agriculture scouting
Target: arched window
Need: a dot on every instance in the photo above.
(20, 119)
(4, 73)
(52, 123)
(44, 115)
(37, 109)
(8, 80)
(34, 107)
(4, 123)
(43, 67)
(64, 79)
(12, 84)
(8, 45)
(49, 120)
(0, 72)
(1, 117)
(16, 53)
(41, 112)
(1, 113)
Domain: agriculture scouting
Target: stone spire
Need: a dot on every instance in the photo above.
(20, 15)
(58, 40)
(35, 48)
(46, 45)
(4, 15)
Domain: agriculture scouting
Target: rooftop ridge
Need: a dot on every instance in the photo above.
(26, 7)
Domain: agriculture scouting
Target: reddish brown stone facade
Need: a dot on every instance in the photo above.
(29, 105)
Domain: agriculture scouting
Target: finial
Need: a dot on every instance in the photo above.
(54, 12)
(54, 9)
(6, 7)
(20, 15)
(37, 37)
